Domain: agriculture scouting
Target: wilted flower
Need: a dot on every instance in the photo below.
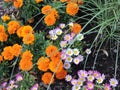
(81, 58)
(88, 51)
(113, 82)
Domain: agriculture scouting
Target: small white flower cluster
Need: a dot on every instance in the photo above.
(71, 55)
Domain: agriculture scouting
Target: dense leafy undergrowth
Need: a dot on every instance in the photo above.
(60, 45)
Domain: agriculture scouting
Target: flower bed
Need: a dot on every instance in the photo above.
(59, 45)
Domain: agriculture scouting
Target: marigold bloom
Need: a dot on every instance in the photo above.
(38, 1)
(3, 37)
(56, 66)
(43, 63)
(76, 28)
(55, 13)
(27, 55)
(16, 49)
(72, 8)
(55, 56)
(2, 29)
(19, 31)
(7, 0)
(18, 3)
(1, 59)
(5, 18)
(47, 78)
(62, 74)
(7, 53)
(63, 0)
(51, 50)
(13, 26)
(26, 30)
(50, 20)
(46, 9)
(28, 39)
(25, 64)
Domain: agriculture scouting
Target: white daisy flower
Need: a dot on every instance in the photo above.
(76, 60)
(71, 24)
(67, 65)
(76, 87)
(69, 59)
(80, 37)
(62, 25)
(76, 51)
(68, 78)
(58, 31)
(53, 37)
(69, 52)
(113, 82)
(90, 78)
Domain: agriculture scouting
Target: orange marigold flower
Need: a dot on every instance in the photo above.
(25, 64)
(72, 8)
(56, 66)
(38, 1)
(5, 18)
(43, 63)
(27, 55)
(1, 59)
(63, 0)
(16, 49)
(26, 30)
(50, 20)
(13, 26)
(7, 0)
(28, 39)
(51, 50)
(47, 78)
(2, 29)
(46, 9)
(76, 28)
(18, 3)
(7, 53)
(55, 56)
(55, 13)
(62, 74)
(3, 37)
(19, 31)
